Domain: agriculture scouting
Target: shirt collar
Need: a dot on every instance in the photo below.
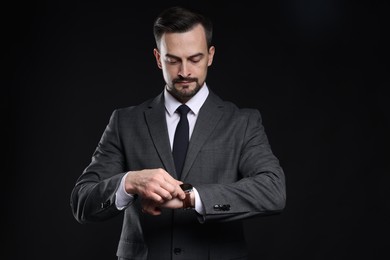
(195, 103)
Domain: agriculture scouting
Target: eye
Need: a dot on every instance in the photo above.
(171, 60)
(196, 60)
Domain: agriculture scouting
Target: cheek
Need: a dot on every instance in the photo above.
(166, 75)
(198, 70)
(169, 74)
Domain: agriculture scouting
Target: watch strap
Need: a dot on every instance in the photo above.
(187, 201)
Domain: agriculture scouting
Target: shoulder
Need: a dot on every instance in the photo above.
(231, 108)
(138, 109)
(242, 115)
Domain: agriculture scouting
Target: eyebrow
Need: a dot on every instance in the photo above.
(190, 57)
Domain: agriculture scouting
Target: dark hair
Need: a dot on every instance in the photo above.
(180, 19)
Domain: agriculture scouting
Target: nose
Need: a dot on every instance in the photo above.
(184, 70)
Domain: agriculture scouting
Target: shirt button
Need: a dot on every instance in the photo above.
(177, 251)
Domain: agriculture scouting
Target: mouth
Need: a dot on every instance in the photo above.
(183, 83)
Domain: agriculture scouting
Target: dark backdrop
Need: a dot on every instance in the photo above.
(316, 69)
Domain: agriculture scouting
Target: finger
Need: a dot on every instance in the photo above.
(160, 193)
(163, 195)
(173, 187)
(162, 187)
(168, 189)
(155, 196)
(180, 194)
(152, 211)
(150, 207)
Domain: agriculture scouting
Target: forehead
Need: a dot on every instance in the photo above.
(186, 43)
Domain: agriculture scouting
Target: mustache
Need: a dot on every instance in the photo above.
(181, 79)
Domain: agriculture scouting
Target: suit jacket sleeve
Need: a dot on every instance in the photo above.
(260, 189)
(93, 197)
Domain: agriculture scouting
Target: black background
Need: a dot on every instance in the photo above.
(317, 70)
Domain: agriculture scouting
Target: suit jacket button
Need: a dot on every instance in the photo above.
(177, 251)
(217, 207)
(105, 204)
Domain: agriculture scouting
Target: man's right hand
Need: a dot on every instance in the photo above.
(154, 184)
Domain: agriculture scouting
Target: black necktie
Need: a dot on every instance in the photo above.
(181, 139)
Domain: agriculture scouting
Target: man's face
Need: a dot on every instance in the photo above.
(184, 60)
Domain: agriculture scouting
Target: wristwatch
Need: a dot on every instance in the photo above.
(187, 188)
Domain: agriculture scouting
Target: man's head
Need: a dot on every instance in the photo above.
(184, 51)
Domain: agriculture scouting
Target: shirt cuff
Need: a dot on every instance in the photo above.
(198, 202)
(122, 198)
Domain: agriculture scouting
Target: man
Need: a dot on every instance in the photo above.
(194, 209)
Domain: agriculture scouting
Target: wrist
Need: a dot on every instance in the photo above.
(128, 183)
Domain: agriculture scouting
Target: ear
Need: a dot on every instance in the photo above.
(211, 55)
(158, 57)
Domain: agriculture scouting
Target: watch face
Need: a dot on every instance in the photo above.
(186, 187)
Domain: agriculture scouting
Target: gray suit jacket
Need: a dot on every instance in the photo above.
(229, 161)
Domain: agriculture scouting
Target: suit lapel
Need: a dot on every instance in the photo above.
(155, 119)
(208, 118)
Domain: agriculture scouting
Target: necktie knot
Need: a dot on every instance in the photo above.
(183, 110)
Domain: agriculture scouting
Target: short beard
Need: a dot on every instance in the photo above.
(183, 97)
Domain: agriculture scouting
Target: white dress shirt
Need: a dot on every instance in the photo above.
(124, 199)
